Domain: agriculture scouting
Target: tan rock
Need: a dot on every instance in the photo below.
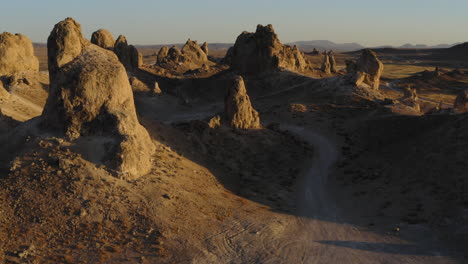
(128, 54)
(91, 103)
(103, 38)
(162, 54)
(16, 54)
(262, 51)
(239, 111)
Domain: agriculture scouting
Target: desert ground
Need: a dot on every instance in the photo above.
(113, 153)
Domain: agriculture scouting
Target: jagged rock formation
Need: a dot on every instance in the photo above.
(103, 38)
(191, 57)
(326, 66)
(204, 47)
(368, 69)
(16, 54)
(128, 54)
(90, 98)
(262, 51)
(239, 111)
(331, 58)
(461, 101)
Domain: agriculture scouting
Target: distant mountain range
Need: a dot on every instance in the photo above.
(345, 47)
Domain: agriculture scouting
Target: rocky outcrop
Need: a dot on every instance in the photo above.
(239, 111)
(16, 54)
(262, 51)
(326, 66)
(103, 39)
(204, 47)
(367, 70)
(461, 101)
(194, 53)
(128, 54)
(91, 103)
(331, 58)
(156, 90)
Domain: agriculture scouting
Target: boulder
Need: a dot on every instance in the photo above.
(262, 51)
(16, 54)
(91, 104)
(103, 39)
(461, 101)
(128, 54)
(204, 47)
(239, 111)
(369, 68)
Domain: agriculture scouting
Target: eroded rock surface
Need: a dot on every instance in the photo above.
(91, 103)
(128, 54)
(103, 38)
(238, 108)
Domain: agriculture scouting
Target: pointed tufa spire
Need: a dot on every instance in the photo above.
(128, 54)
(239, 111)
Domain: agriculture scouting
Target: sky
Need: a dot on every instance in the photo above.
(368, 22)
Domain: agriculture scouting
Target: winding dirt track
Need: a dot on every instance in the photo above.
(318, 234)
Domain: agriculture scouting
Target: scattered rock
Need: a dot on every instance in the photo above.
(128, 54)
(215, 122)
(262, 51)
(16, 54)
(239, 111)
(91, 97)
(103, 39)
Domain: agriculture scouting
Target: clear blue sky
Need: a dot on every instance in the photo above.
(369, 22)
